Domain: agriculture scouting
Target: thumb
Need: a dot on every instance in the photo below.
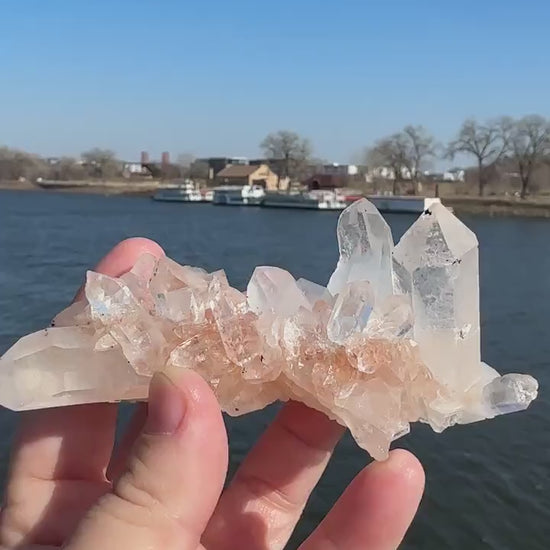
(174, 474)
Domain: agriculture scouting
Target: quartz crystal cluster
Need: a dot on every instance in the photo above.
(394, 338)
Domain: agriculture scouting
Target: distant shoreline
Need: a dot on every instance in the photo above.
(91, 188)
(499, 206)
(538, 207)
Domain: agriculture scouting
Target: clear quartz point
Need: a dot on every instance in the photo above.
(394, 339)
(366, 244)
(436, 264)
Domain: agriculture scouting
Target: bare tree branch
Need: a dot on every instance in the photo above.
(290, 152)
(101, 163)
(529, 145)
(15, 165)
(488, 143)
(184, 161)
(420, 148)
(389, 153)
(406, 153)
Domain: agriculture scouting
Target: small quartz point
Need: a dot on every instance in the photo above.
(351, 311)
(394, 339)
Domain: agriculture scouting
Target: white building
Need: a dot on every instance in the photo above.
(388, 173)
(133, 168)
(454, 174)
(336, 169)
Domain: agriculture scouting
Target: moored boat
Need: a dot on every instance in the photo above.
(181, 193)
(234, 195)
(314, 200)
(402, 204)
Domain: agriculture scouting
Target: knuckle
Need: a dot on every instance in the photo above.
(139, 484)
(153, 530)
(271, 496)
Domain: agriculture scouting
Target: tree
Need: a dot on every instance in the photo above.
(199, 170)
(529, 146)
(418, 147)
(15, 165)
(101, 163)
(486, 142)
(290, 152)
(66, 169)
(184, 162)
(389, 152)
(185, 159)
(405, 153)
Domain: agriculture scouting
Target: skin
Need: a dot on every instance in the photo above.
(161, 489)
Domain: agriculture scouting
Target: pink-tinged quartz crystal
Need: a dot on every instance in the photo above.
(394, 339)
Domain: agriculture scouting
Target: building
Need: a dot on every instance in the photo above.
(387, 173)
(134, 168)
(333, 176)
(454, 174)
(217, 164)
(147, 168)
(257, 162)
(336, 169)
(326, 181)
(430, 176)
(244, 174)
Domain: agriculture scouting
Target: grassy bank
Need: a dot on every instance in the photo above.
(90, 187)
(500, 206)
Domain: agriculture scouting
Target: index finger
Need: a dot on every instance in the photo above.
(268, 493)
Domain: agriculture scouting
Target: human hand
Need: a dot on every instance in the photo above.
(161, 489)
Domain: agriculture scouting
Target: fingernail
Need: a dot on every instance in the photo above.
(166, 407)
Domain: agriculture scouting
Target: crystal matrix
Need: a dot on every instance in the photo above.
(394, 339)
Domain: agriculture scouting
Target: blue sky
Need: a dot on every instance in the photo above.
(214, 77)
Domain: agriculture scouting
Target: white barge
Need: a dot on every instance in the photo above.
(233, 195)
(182, 193)
(402, 204)
(315, 200)
(255, 195)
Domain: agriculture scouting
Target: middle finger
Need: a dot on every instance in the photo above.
(265, 499)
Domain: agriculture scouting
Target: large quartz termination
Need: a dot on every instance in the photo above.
(394, 338)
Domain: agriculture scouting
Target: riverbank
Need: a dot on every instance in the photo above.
(538, 207)
(89, 187)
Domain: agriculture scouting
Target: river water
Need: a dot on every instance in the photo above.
(488, 484)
